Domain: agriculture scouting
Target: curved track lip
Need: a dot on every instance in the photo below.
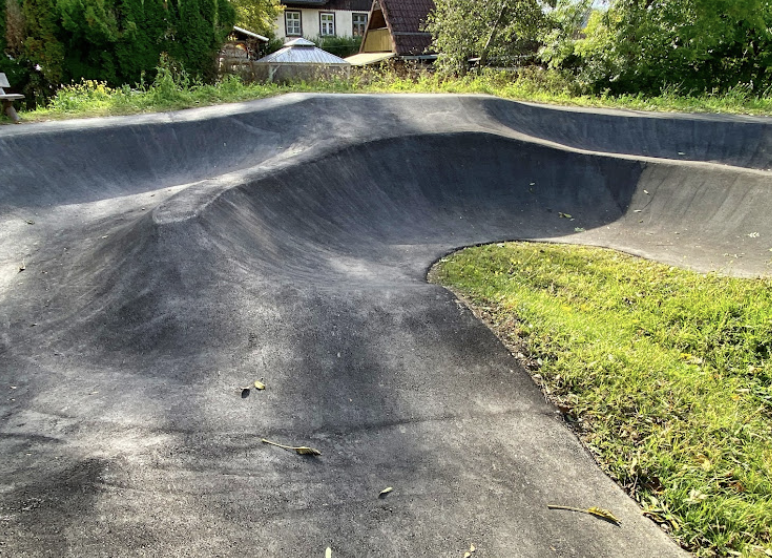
(173, 259)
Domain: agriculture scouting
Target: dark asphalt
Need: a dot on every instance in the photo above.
(172, 259)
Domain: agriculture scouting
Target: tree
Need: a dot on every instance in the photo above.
(118, 41)
(143, 32)
(488, 29)
(695, 45)
(257, 16)
(88, 31)
(565, 26)
(197, 32)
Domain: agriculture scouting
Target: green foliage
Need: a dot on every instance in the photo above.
(257, 16)
(197, 32)
(339, 46)
(565, 25)
(142, 39)
(112, 41)
(528, 84)
(647, 45)
(89, 31)
(665, 374)
(11, 27)
(42, 42)
(501, 30)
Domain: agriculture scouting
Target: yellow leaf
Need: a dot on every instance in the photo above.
(303, 450)
(604, 514)
(597, 512)
(259, 385)
(385, 491)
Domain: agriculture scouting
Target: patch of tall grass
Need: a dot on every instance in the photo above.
(173, 90)
(665, 374)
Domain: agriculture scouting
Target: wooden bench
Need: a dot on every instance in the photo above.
(8, 99)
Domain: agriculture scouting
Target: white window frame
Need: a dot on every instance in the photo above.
(326, 24)
(361, 24)
(291, 23)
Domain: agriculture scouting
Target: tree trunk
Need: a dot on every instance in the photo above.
(484, 54)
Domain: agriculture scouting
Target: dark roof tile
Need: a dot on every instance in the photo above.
(406, 19)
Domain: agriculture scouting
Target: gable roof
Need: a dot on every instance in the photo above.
(405, 20)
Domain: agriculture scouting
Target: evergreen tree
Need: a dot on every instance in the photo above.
(117, 41)
(143, 29)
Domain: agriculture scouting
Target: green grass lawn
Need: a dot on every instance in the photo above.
(173, 92)
(665, 374)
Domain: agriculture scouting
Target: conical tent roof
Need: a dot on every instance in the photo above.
(302, 51)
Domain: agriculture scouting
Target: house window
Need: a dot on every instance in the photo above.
(360, 24)
(326, 24)
(292, 24)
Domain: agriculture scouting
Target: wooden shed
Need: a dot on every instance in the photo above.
(395, 29)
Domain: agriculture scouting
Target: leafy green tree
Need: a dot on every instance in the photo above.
(488, 29)
(695, 45)
(565, 26)
(257, 16)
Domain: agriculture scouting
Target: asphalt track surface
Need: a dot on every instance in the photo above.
(172, 259)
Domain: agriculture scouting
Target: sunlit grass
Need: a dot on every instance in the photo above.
(665, 374)
(173, 92)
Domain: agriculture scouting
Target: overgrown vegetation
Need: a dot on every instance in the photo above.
(50, 42)
(173, 89)
(665, 374)
(500, 32)
(342, 47)
(619, 46)
(643, 46)
(662, 54)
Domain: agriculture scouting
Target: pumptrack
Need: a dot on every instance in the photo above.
(170, 260)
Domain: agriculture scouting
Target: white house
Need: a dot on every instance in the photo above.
(323, 18)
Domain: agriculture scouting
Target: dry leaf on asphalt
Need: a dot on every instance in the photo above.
(597, 512)
(604, 514)
(385, 491)
(303, 450)
(259, 385)
(300, 450)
